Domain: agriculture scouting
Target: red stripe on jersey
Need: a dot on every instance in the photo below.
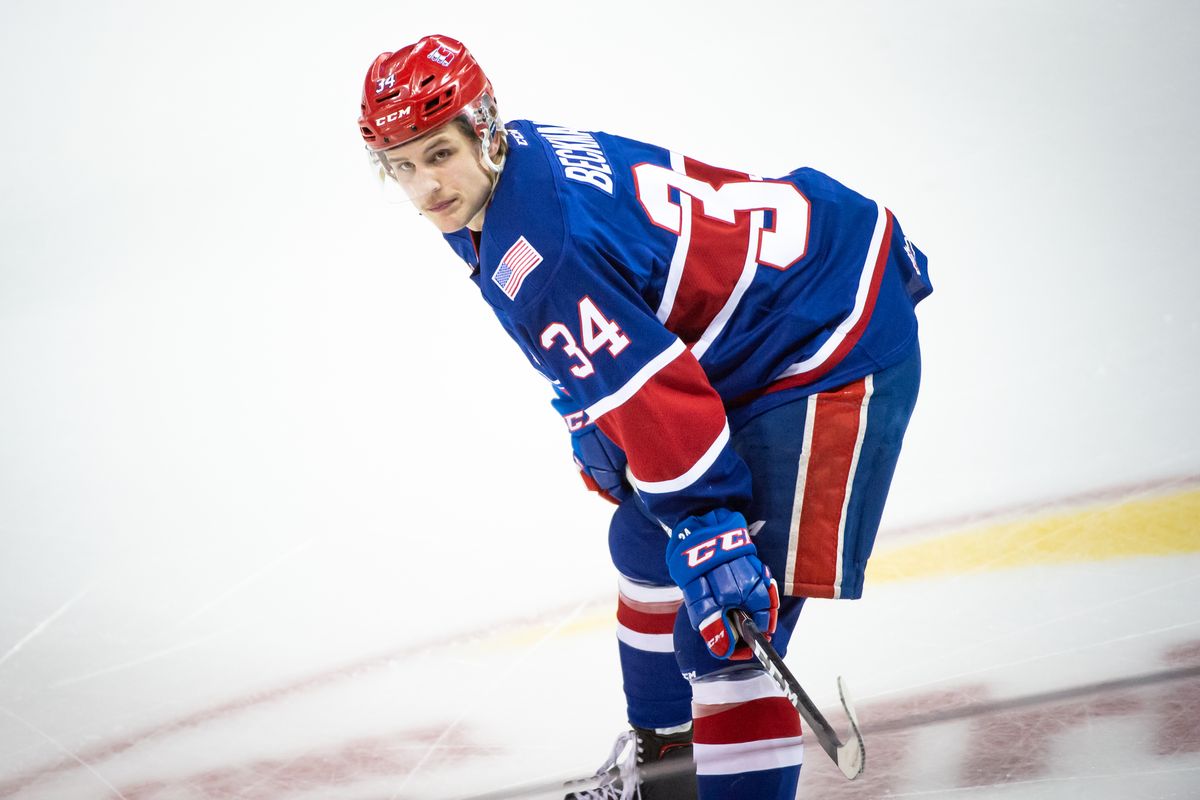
(670, 423)
(646, 621)
(715, 259)
(837, 415)
(754, 721)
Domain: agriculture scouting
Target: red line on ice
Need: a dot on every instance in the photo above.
(237, 705)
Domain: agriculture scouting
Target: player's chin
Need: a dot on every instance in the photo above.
(451, 220)
(446, 226)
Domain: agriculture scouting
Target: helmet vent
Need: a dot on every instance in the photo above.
(435, 103)
(425, 82)
(387, 97)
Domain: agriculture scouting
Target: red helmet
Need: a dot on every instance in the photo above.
(421, 87)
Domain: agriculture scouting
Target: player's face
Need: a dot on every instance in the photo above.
(444, 176)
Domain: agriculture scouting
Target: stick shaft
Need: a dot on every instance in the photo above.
(772, 662)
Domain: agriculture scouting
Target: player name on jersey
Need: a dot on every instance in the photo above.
(580, 154)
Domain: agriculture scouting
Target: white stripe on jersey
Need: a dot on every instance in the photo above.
(749, 270)
(692, 475)
(860, 302)
(675, 273)
(640, 379)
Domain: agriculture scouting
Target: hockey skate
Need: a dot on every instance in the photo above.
(645, 765)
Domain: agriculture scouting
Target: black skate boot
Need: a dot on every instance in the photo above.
(645, 765)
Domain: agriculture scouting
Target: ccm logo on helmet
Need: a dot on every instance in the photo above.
(730, 540)
(392, 117)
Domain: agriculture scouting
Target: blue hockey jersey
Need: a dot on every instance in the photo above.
(664, 295)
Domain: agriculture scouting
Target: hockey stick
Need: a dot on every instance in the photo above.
(850, 757)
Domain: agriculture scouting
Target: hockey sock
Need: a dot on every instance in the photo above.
(747, 738)
(656, 695)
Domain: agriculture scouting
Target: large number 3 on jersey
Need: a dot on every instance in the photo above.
(727, 224)
(779, 246)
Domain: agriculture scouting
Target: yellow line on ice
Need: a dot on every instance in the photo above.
(1160, 525)
(1154, 526)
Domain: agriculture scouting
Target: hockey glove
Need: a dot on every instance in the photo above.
(601, 463)
(713, 560)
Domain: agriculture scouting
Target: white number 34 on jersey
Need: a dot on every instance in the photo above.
(596, 331)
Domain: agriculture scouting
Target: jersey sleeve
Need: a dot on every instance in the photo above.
(640, 384)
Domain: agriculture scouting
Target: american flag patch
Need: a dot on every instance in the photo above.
(515, 266)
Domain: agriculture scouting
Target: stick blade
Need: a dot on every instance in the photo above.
(851, 756)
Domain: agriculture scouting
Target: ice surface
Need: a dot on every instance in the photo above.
(283, 515)
(1027, 682)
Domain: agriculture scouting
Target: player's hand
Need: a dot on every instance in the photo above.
(601, 463)
(713, 560)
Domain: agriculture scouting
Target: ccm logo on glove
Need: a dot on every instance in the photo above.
(730, 540)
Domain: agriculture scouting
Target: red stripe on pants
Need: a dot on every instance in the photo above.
(830, 457)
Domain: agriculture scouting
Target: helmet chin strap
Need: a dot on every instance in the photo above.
(494, 167)
(485, 146)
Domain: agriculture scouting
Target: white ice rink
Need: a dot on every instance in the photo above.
(284, 515)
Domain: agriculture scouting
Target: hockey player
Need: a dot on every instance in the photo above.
(736, 360)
